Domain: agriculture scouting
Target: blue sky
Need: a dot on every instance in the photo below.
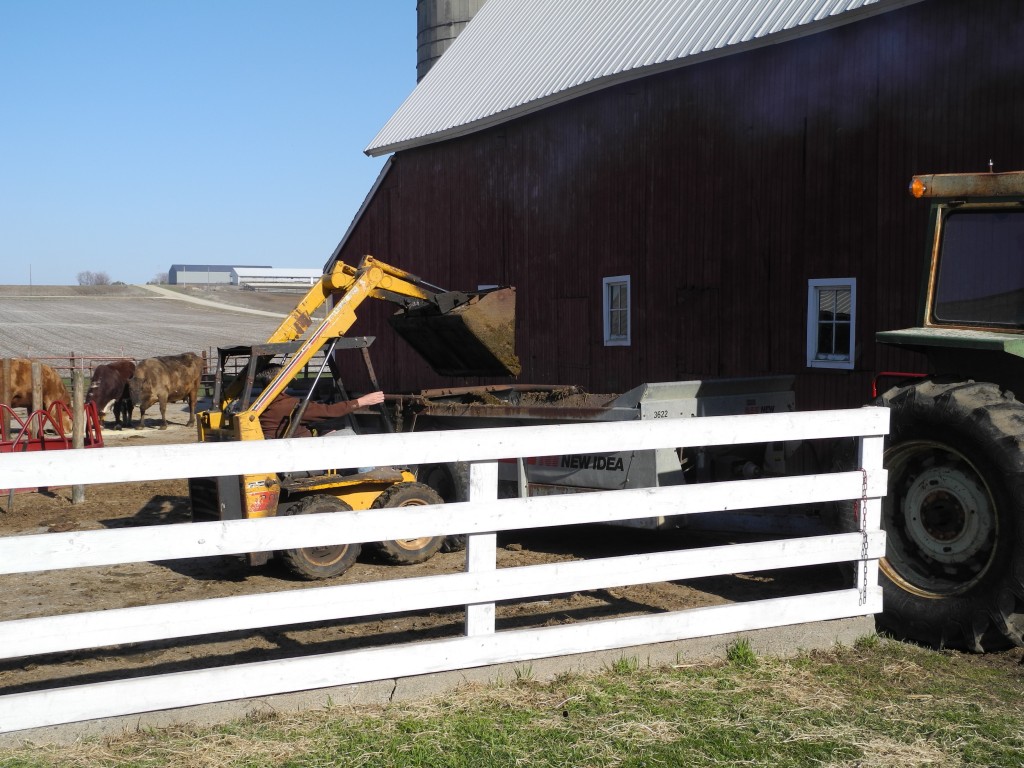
(137, 134)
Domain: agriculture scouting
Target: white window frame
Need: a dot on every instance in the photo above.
(814, 288)
(616, 339)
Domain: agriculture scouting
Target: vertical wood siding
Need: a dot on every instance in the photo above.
(721, 189)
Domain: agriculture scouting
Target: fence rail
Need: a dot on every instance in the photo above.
(477, 588)
(66, 365)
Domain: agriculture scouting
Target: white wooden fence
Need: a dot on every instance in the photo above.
(477, 588)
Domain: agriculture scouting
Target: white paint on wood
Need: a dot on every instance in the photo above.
(478, 588)
(161, 462)
(481, 549)
(95, 629)
(75, 549)
(51, 707)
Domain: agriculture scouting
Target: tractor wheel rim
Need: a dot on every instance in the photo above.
(941, 520)
(949, 514)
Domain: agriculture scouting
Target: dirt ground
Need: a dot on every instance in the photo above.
(159, 503)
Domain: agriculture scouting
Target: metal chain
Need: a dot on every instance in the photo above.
(863, 514)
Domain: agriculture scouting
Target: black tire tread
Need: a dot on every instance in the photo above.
(297, 563)
(981, 418)
(398, 495)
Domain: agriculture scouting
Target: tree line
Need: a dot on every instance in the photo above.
(102, 278)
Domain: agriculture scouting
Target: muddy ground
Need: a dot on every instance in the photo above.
(160, 503)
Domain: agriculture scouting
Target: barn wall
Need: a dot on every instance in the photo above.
(721, 189)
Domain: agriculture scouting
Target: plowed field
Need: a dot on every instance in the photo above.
(52, 323)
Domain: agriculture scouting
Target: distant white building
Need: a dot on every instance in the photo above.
(274, 278)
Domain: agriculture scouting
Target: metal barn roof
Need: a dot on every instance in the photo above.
(217, 267)
(519, 56)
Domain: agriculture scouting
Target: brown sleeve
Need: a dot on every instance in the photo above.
(316, 411)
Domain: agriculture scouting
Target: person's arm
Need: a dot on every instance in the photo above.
(316, 411)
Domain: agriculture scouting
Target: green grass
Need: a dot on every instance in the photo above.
(741, 654)
(880, 703)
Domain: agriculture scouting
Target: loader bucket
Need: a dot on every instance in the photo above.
(464, 334)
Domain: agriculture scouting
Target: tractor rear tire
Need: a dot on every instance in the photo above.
(312, 563)
(953, 574)
(408, 551)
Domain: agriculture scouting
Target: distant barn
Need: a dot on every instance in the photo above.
(277, 279)
(203, 274)
(691, 189)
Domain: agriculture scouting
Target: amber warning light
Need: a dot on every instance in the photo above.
(917, 187)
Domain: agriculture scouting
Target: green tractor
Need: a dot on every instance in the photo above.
(953, 574)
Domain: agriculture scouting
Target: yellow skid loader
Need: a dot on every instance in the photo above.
(458, 334)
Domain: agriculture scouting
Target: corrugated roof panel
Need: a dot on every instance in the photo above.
(517, 56)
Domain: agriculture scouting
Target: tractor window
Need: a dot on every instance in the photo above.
(980, 279)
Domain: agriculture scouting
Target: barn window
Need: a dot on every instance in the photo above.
(616, 311)
(831, 322)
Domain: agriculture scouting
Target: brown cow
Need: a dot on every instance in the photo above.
(109, 384)
(20, 388)
(164, 380)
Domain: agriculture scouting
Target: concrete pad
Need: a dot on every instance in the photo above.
(779, 642)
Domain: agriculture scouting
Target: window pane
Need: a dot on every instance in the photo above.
(826, 339)
(618, 324)
(981, 269)
(842, 340)
(826, 303)
(617, 296)
(833, 323)
(842, 300)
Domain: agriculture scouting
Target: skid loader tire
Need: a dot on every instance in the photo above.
(451, 482)
(455, 542)
(312, 563)
(953, 574)
(408, 551)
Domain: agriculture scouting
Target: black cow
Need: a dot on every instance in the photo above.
(109, 383)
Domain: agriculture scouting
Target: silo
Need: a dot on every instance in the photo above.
(438, 22)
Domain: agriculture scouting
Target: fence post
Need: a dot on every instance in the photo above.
(869, 459)
(37, 396)
(481, 548)
(78, 425)
(5, 396)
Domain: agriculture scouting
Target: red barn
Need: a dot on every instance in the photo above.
(683, 189)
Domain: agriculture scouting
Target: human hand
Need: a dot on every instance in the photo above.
(372, 398)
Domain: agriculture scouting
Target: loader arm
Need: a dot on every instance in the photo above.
(343, 278)
(349, 286)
